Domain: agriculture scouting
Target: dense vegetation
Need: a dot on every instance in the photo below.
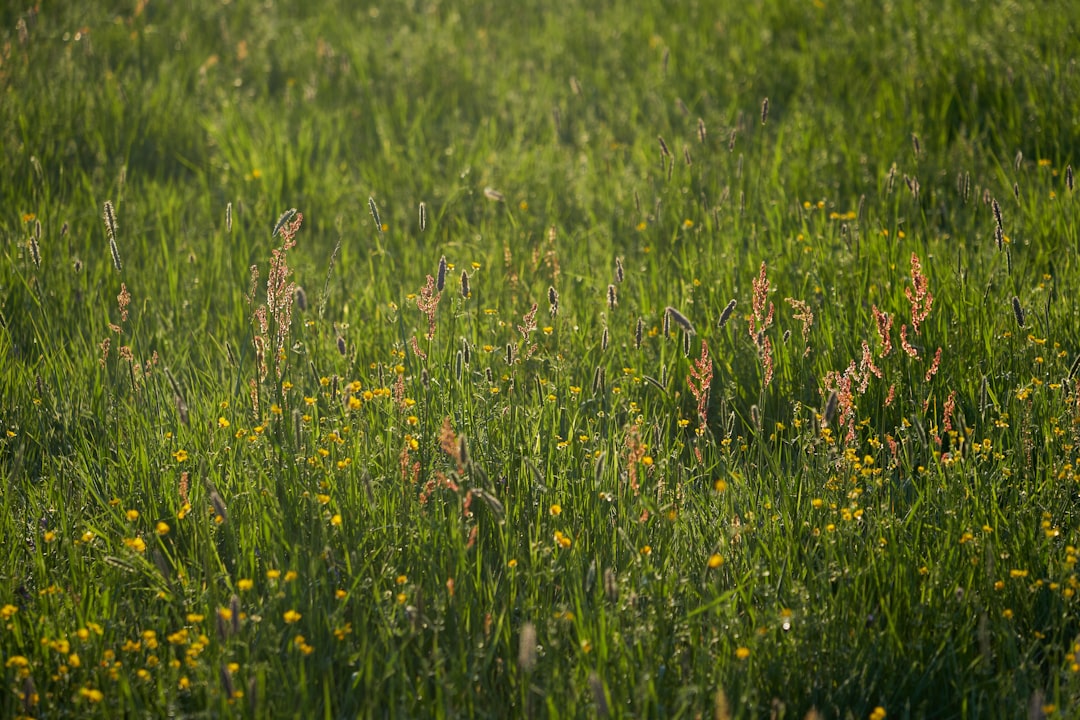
(550, 359)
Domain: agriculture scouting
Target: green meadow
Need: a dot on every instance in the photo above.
(586, 359)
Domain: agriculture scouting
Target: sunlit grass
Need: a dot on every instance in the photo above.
(454, 361)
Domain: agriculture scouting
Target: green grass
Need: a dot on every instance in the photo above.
(197, 522)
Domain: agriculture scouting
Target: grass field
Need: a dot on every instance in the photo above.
(580, 359)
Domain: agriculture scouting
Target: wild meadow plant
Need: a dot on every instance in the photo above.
(789, 440)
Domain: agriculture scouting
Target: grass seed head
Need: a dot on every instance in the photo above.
(527, 648)
(423, 217)
(599, 697)
(463, 451)
(234, 611)
(679, 319)
(227, 681)
(440, 279)
(830, 408)
(726, 314)
(109, 215)
(664, 152)
(611, 585)
(220, 510)
(1018, 311)
(282, 221)
(374, 210)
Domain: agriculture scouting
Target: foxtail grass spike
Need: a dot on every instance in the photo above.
(681, 320)
(423, 217)
(1069, 178)
(527, 648)
(830, 408)
(374, 210)
(701, 130)
(1018, 311)
(109, 215)
(663, 146)
(465, 292)
(228, 218)
(440, 280)
(599, 697)
(227, 681)
(611, 586)
(282, 221)
(463, 451)
(219, 507)
(726, 314)
(764, 111)
(638, 332)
